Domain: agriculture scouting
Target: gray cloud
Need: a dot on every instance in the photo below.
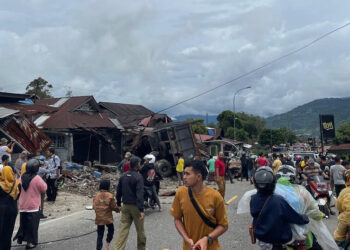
(157, 53)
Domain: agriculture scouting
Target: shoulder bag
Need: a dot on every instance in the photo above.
(251, 227)
(205, 219)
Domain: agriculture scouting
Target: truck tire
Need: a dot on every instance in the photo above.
(164, 167)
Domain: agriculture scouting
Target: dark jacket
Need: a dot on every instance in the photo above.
(149, 174)
(130, 189)
(273, 225)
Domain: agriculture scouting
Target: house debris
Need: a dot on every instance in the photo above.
(21, 130)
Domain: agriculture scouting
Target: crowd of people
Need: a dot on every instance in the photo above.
(23, 185)
(198, 210)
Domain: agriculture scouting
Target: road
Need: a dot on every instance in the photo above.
(160, 231)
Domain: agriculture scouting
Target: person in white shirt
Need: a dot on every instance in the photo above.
(337, 175)
(6, 148)
(53, 164)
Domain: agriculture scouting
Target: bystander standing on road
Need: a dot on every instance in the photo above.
(29, 204)
(53, 167)
(104, 204)
(120, 166)
(43, 170)
(9, 191)
(251, 168)
(180, 170)
(262, 161)
(337, 175)
(244, 167)
(220, 169)
(19, 162)
(6, 148)
(196, 232)
(130, 191)
(211, 166)
(276, 163)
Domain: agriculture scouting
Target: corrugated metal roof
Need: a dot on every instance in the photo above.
(116, 123)
(129, 115)
(59, 102)
(41, 119)
(69, 104)
(25, 109)
(67, 118)
(5, 112)
(26, 134)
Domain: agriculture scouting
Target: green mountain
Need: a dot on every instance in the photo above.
(305, 119)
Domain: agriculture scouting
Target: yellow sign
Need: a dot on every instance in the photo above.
(327, 125)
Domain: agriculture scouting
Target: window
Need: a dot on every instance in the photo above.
(58, 141)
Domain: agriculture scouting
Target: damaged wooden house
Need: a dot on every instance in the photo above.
(78, 128)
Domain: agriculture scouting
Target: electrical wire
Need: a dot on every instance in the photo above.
(258, 68)
(63, 239)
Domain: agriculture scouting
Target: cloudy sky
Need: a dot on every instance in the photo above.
(157, 53)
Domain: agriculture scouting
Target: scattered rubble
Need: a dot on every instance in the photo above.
(84, 180)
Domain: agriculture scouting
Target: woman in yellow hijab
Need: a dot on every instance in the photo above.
(9, 193)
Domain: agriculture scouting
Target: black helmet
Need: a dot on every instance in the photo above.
(288, 172)
(264, 180)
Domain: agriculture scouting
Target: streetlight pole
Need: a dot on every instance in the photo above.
(234, 111)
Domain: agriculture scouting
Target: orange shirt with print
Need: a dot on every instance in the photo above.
(212, 206)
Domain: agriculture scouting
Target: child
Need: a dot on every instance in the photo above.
(104, 203)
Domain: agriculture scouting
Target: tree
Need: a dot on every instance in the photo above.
(342, 134)
(241, 134)
(39, 87)
(271, 137)
(198, 126)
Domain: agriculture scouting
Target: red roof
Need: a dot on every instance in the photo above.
(203, 137)
(345, 146)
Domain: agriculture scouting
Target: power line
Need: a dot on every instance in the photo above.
(259, 68)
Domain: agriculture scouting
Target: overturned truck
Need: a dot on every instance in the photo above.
(167, 141)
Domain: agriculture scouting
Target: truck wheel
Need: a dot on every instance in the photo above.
(164, 168)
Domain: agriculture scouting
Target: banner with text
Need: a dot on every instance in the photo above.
(327, 127)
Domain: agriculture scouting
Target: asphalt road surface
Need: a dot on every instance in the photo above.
(78, 231)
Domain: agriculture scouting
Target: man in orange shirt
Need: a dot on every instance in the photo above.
(196, 233)
(220, 168)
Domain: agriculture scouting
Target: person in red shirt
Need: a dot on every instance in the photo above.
(262, 161)
(220, 169)
(126, 167)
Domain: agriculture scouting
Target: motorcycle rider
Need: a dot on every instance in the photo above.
(148, 171)
(271, 213)
(311, 170)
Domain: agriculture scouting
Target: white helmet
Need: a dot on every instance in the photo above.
(150, 157)
(286, 171)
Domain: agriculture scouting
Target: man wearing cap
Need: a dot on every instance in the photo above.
(6, 149)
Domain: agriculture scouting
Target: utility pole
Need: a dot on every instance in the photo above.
(234, 111)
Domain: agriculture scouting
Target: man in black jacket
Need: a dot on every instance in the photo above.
(130, 190)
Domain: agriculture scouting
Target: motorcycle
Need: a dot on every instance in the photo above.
(321, 192)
